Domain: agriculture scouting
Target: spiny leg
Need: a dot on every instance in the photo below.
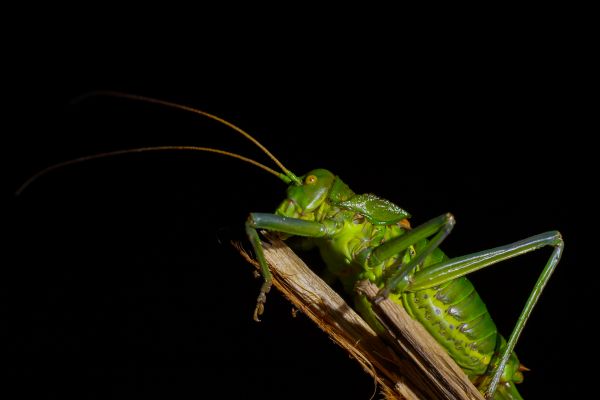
(276, 223)
(264, 270)
(440, 227)
(445, 271)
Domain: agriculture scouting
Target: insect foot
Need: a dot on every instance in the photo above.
(261, 300)
(382, 295)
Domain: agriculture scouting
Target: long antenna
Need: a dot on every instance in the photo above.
(280, 175)
(292, 176)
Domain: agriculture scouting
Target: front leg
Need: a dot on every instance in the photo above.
(272, 222)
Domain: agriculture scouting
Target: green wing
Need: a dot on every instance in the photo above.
(377, 210)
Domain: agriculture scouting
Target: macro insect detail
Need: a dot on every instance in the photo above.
(362, 236)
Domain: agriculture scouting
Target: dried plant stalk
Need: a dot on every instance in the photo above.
(407, 365)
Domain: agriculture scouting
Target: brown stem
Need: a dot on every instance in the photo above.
(407, 363)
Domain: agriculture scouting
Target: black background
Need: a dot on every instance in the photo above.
(121, 281)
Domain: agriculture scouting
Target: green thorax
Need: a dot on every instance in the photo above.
(358, 224)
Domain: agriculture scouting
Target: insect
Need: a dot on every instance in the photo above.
(363, 236)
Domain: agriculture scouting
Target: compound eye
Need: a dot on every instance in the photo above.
(311, 179)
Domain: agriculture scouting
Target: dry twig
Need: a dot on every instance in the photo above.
(407, 363)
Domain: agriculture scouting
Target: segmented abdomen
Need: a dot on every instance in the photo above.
(458, 319)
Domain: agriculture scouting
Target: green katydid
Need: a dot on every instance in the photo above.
(362, 236)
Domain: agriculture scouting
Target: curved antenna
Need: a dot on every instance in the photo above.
(290, 174)
(43, 172)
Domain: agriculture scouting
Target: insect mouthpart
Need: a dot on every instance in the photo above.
(289, 208)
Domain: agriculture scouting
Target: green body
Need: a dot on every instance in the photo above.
(362, 236)
(452, 312)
